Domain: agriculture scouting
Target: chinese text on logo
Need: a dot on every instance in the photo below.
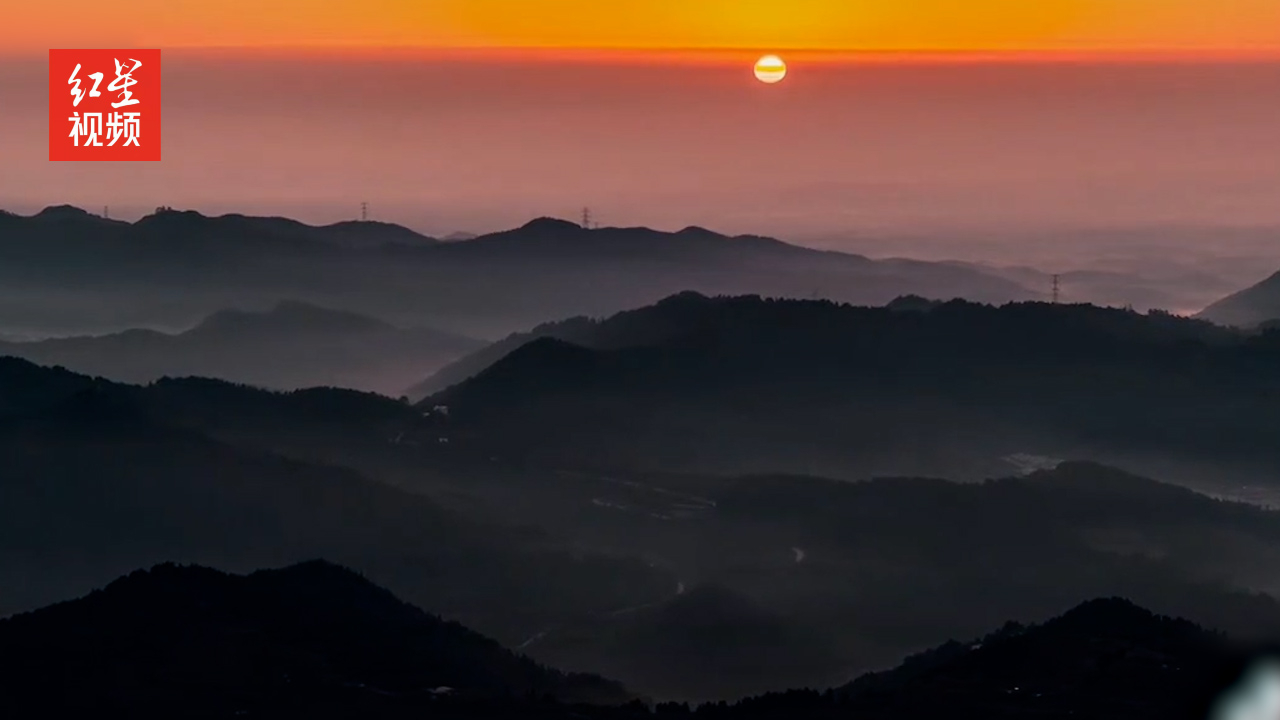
(104, 104)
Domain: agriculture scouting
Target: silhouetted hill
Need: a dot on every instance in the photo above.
(635, 328)
(1104, 659)
(578, 330)
(174, 266)
(746, 384)
(371, 234)
(291, 345)
(315, 640)
(192, 641)
(1022, 547)
(583, 569)
(236, 228)
(1248, 308)
(842, 577)
(550, 236)
(289, 316)
(100, 477)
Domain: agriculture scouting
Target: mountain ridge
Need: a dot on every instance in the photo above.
(1248, 308)
(743, 364)
(174, 633)
(289, 345)
(490, 285)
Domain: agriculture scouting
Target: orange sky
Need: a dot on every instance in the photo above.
(1168, 25)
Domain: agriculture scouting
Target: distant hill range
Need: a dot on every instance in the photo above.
(292, 345)
(1176, 289)
(317, 641)
(172, 267)
(744, 384)
(1250, 307)
(73, 225)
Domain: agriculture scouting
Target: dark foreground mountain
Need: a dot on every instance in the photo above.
(835, 578)
(317, 641)
(193, 641)
(292, 345)
(746, 384)
(170, 268)
(97, 479)
(1250, 307)
(1103, 659)
(680, 586)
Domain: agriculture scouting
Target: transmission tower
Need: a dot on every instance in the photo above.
(364, 212)
(106, 212)
(586, 218)
(1057, 291)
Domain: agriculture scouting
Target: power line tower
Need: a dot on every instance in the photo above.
(106, 212)
(364, 212)
(1057, 290)
(586, 218)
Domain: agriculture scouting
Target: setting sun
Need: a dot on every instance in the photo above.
(770, 69)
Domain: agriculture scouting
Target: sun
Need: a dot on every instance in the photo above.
(770, 69)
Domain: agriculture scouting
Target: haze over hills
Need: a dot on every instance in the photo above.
(289, 346)
(1250, 307)
(835, 578)
(1181, 268)
(1182, 290)
(170, 268)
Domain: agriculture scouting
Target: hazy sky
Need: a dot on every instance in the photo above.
(829, 24)
(477, 144)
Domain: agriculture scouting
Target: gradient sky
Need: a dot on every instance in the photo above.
(817, 24)
(478, 140)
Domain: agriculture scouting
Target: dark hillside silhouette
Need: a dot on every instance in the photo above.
(746, 384)
(1106, 658)
(192, 640)
(613, 570)
(97, 480)
(315, 640)
(173, 267)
